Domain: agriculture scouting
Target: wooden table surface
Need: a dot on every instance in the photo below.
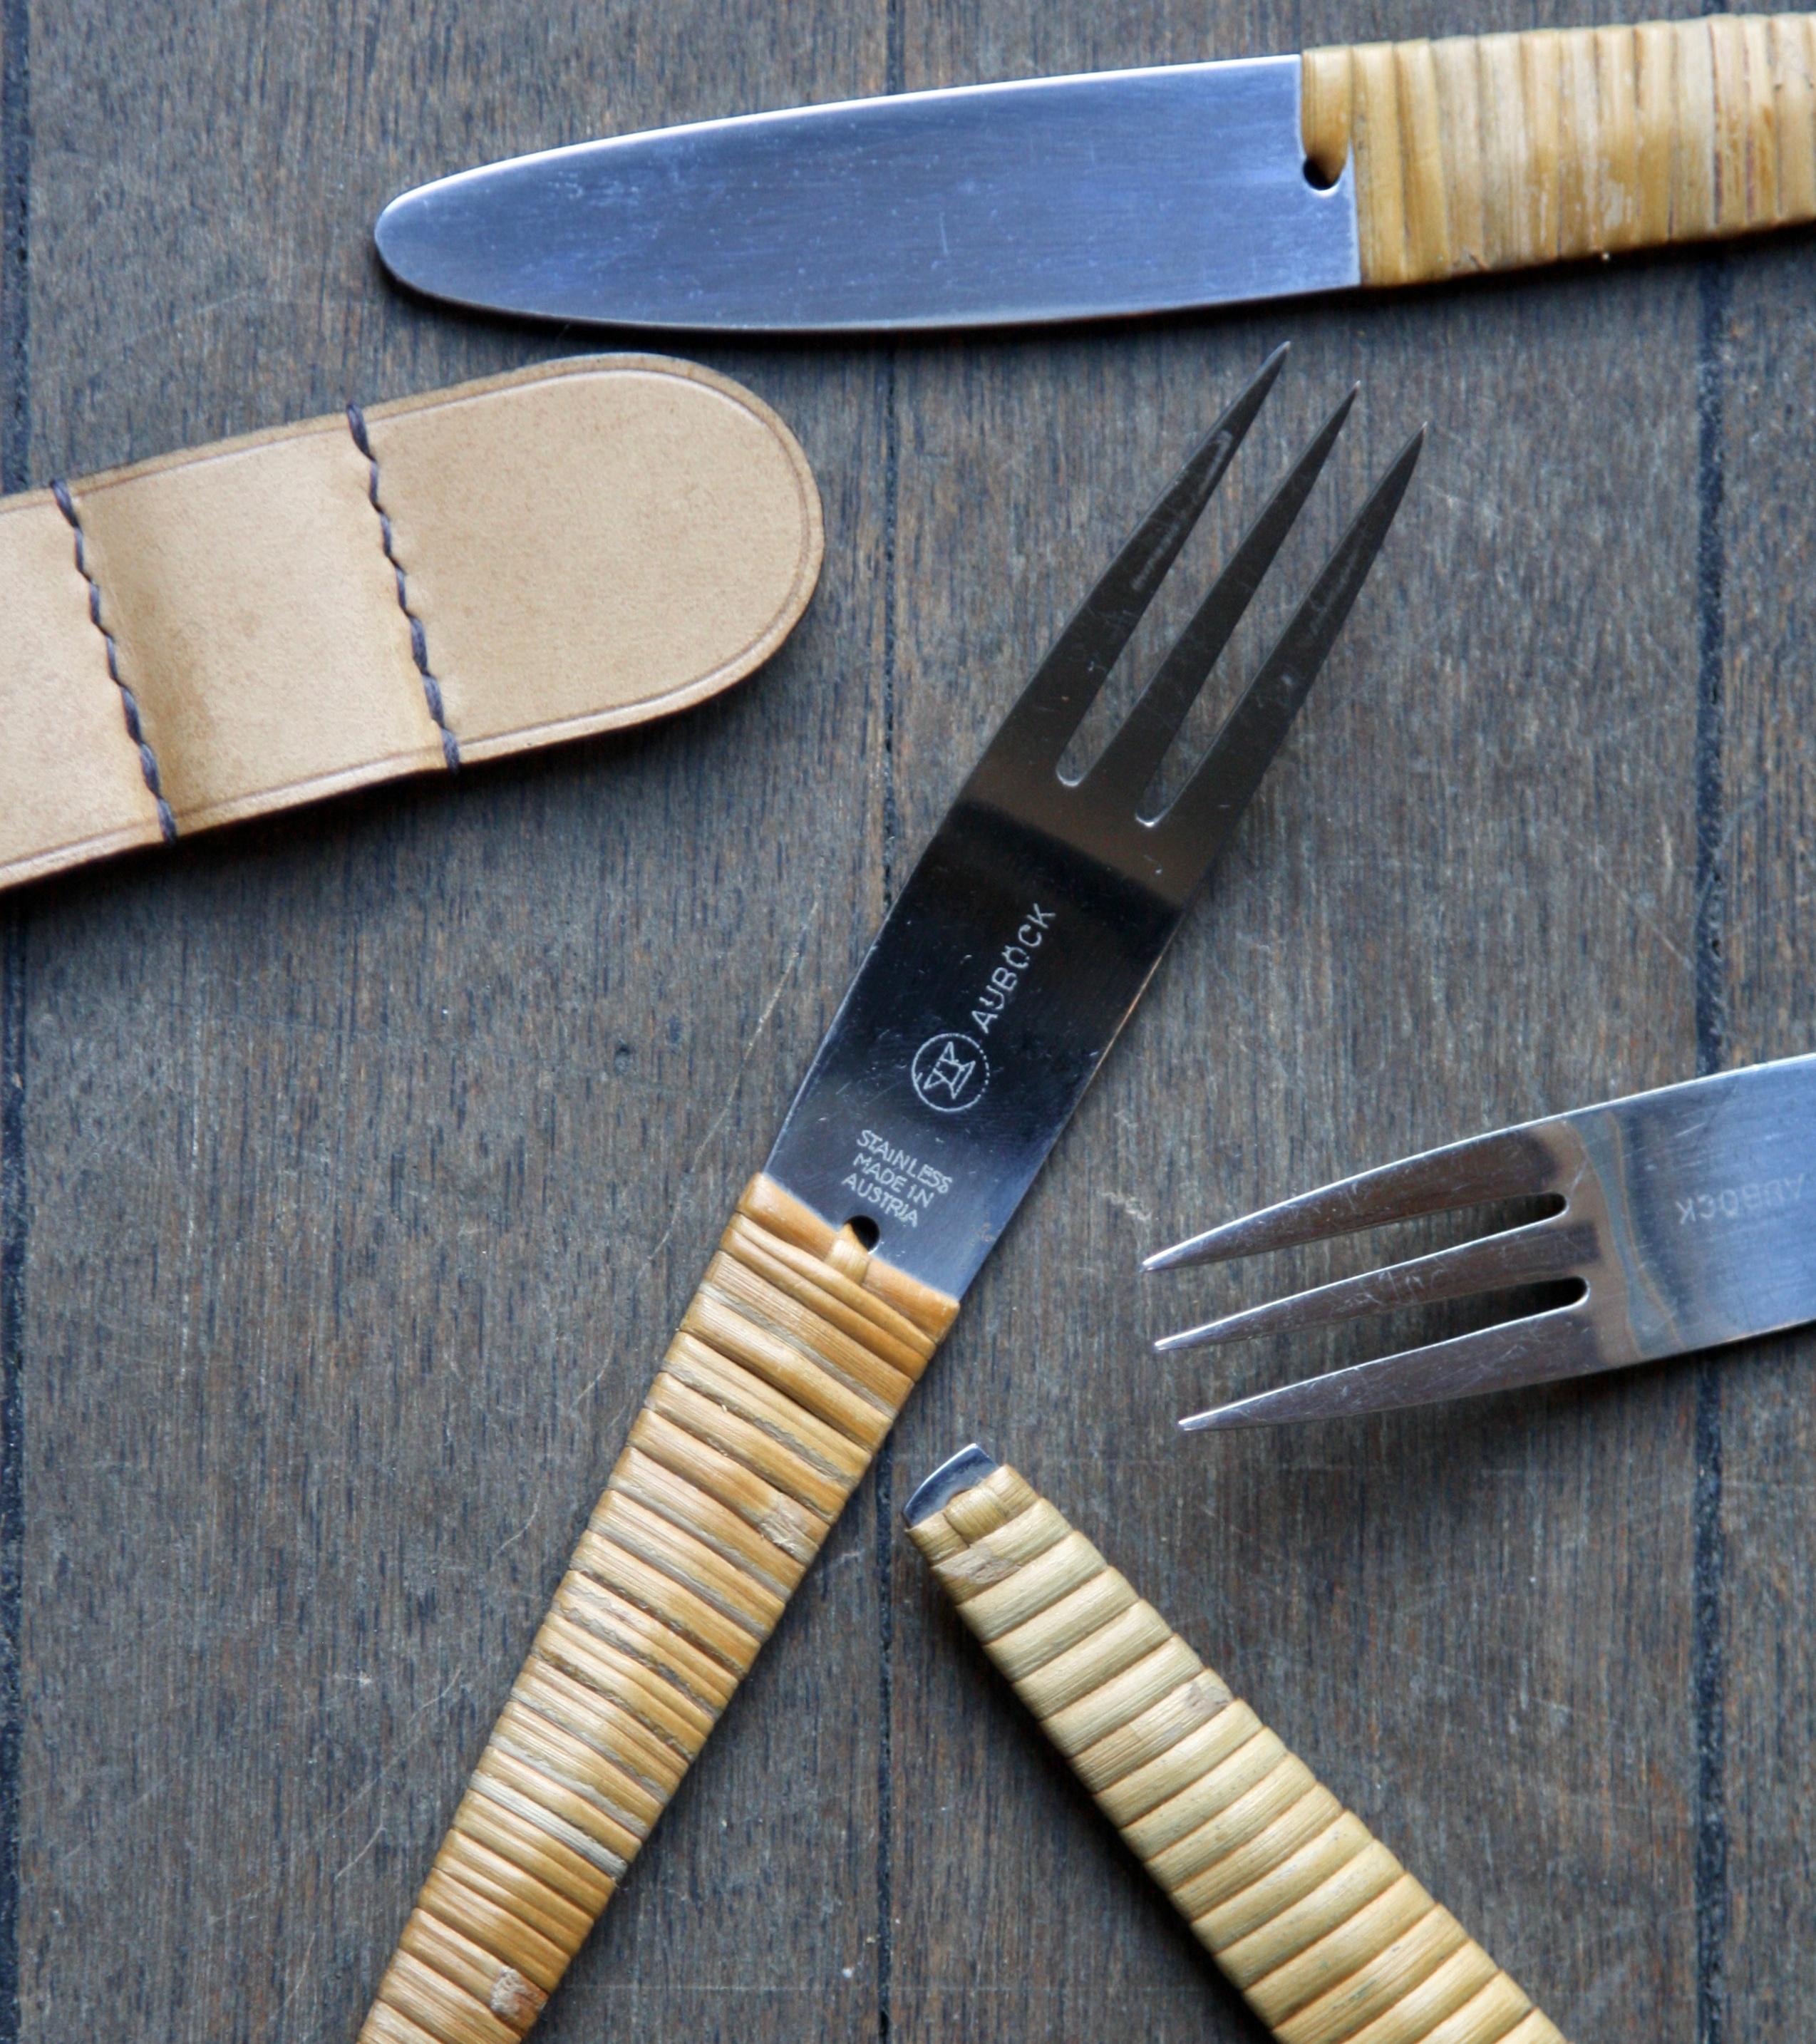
(355, 1168)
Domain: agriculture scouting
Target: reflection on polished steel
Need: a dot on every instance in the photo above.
(1686, 1218)
(971, 1465)
(1029, 927)
(1060, 198)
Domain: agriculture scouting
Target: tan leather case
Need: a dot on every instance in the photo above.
(405, 590)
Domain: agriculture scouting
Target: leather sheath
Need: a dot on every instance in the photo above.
(402, 589)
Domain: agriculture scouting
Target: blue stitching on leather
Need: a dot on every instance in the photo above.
(129, 702)
(419, 640)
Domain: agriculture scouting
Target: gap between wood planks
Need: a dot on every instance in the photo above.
(1708, 1668)
(15, 455)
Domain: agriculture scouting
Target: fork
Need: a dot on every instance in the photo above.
(1685, 1217)
(1009, 961)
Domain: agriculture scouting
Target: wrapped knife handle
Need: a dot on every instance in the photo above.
(1494, 152)
(793, 1358)
(1326, 1935)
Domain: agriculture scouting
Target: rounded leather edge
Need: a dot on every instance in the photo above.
(44, 858)
(749, 657)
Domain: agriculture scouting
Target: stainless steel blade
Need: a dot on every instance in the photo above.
(918, 1116)
(1032, 923)
(1092, 197)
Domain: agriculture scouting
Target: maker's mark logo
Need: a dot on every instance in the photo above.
(950, 1072)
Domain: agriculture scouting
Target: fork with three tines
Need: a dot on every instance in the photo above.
(1682, 1220)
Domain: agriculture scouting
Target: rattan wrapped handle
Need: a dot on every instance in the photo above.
(1493, 152)
(793, 1359)
(1328, 1938)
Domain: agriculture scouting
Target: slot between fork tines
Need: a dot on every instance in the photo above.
(1168, 853)
(1680, 1221)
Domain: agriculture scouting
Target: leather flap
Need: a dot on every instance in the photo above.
(256, 621)
(590, 546)
(434, 582)
(71, 786)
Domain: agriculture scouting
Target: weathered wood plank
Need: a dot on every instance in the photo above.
(15, 134)
(377, 1155)
(1464, 897)
(1762, 1577)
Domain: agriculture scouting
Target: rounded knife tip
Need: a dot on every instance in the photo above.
(398, 235)
(384, 231)
(970, 1466)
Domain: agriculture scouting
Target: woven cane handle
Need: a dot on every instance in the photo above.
(1493, 152)
(793, 1358)
(1329, 1939)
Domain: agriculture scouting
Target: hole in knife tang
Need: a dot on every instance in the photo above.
(865, 1229)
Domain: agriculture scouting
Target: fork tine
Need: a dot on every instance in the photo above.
(1528, 1255)
(1195, 825)
(1511, 1164)
(1051, 707)
(1131, 759)
(1534, 1351)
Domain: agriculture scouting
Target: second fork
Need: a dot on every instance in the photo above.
(1685, 1218)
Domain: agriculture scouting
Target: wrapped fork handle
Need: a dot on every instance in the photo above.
(1326, 1933)
(1493, 152)
(793, 1359)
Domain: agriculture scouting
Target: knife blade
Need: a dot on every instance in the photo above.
(1141, 191)
(1052, 199)
(1019, 944)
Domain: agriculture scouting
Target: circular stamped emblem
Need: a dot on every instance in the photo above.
(950, 1072)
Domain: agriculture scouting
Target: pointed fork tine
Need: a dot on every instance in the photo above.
(1193, 829)
(1132, 758)
(1511, 1164)
(1537, 1350)
(1543, 1250)
(1049, 709)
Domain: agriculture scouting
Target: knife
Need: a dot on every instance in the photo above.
(998, 982)
(1143, 191)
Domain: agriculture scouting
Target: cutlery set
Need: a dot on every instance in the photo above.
(1031, 926)
(1678, 1221)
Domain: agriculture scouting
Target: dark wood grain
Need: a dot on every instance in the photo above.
(1759, 1557)
(353, 1171)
